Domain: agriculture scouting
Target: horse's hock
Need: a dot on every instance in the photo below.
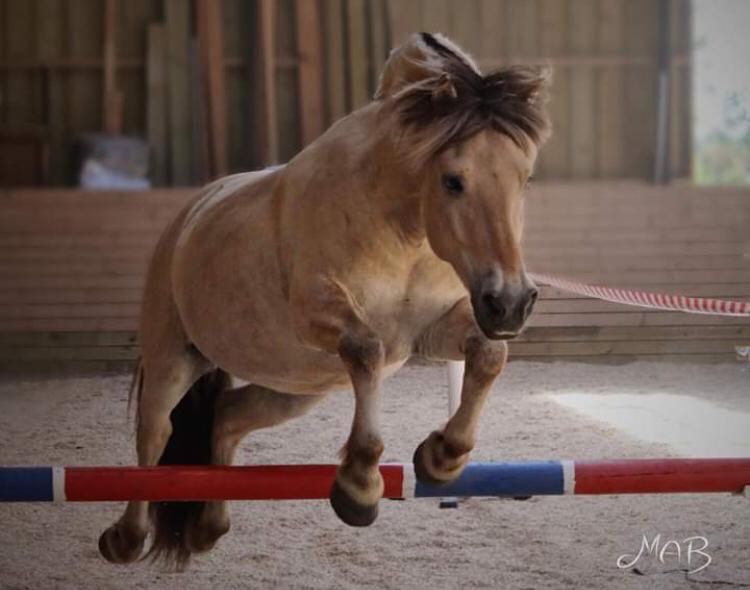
(73, 266)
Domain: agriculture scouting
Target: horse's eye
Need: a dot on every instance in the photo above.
(453, 184)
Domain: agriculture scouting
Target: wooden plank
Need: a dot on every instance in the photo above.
(465, 19)
(379, 45)
(267, 118)
(67, 339)
(68, 324)
(50, 44)
(554, 160)
(111, 99)
(404, 18)
(642, 333)
(177, 22)
(211, 42)
(490, 30)
(76, 367)
(627, 319)
(308, 28)
(583, 96)
(18, 41)
(436, 17)
(335, 62)
(521, 28)
(156, 107)
(633, 347)
(288, 101)
(640, 87)
(108, 353)
(359, 92)
(611, 91)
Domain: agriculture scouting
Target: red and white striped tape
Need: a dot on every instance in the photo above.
(662, 301)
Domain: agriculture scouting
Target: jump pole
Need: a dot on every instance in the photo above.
(308, 482)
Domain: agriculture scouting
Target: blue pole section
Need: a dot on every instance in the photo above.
(26, 484)
(535, 478)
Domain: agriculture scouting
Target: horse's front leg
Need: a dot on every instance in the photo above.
(441, 457)
(334, 323)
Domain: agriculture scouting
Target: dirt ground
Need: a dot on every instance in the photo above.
(554, 542)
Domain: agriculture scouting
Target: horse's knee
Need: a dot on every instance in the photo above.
(486, 358)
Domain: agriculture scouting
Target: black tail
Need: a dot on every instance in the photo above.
(189, 444)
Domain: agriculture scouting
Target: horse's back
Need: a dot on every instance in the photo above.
(227, 284)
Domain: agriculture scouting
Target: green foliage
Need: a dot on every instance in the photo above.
(720, 159)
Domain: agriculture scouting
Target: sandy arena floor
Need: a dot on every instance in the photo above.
(488, 543)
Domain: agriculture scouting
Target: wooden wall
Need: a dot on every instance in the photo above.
(278, 96)
(291, 67)
(72, 265)
(604, 56)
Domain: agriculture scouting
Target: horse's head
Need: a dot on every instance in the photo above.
(472, 140)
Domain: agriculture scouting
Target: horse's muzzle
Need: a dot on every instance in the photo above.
(502, 314)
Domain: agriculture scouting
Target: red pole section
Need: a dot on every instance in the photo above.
(254, 482)
(661, 476)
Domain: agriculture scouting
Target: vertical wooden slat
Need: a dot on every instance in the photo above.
(267, 78)
(490, 30)
(211, 43)
(239, 44)
(310, 69)
(582, 30)
(131, 32)
(436, 17)
(611, 82)
(379, 40)
(83, 102)
(287, 81)
(156, 106)
(357, 45)
(521, 28)
(680, 113)
(335, 63)
(177, 18)
(404, 18)
(18, 38)
(553, 22)
(640, 87)
(111, 102)
(465, 18)
(50, 45)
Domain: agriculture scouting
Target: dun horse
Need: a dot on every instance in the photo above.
(397, 232)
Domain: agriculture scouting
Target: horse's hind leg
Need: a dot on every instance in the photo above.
(165, 381)
(237, 413)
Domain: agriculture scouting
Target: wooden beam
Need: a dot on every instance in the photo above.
(268, 119)
(177, 18)
(358, 79)
(112, 99)
(310, 70)
(335, 61)
(211, 41)
(156, 103)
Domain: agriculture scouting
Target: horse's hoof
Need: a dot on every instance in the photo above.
(118, 546)
(349, 510)
(203, 537)
(420, 469)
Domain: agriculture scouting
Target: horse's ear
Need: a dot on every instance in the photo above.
(420, 58)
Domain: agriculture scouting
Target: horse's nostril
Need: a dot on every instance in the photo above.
(495, 303)
(531, 299)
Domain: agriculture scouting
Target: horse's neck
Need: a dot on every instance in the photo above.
(387, 185)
